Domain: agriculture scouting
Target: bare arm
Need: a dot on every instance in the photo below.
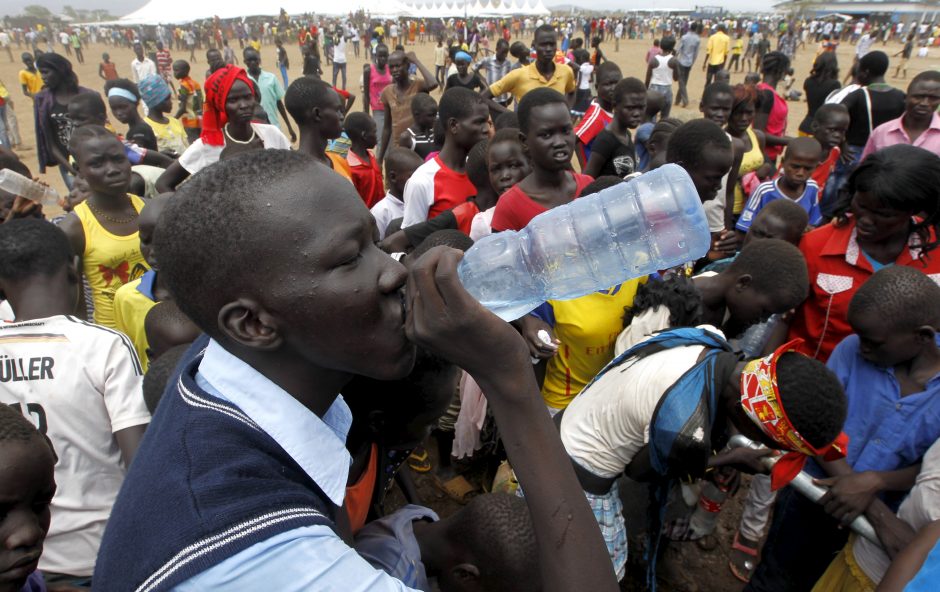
(386, 130)
(366, 81)
(444, 318)
(283, 112)
(911, 559)
(182, 108)
(171, 177)
(128, 441)
(430, 82)
(649, 72)
(157, 159)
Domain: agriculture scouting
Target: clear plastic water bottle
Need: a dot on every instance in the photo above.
(17, 184)
(650, 223)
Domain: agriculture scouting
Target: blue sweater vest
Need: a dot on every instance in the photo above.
(206, 484)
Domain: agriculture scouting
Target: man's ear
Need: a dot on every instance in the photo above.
(743, 282)
(247, 323)
(927, 334)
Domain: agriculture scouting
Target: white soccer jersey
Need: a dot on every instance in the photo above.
(78, 383)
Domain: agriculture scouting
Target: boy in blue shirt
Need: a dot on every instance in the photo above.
(794, 183)
(890, 369)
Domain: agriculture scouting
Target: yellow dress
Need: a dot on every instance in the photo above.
(752, 160)
(109, 261)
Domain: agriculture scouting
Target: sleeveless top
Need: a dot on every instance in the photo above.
(422, 144)
(662, 73)
(377, 83)
(776, 120)
(750, 162)
(109, 260)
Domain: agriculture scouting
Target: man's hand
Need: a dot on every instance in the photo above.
(747, 460)
(849, 495)
(531, 327)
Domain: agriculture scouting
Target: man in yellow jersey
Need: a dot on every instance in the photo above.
(716, 53)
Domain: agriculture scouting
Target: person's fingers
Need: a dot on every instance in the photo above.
(422, 280)
(447, 280)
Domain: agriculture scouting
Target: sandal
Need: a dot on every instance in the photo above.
(743, 559)
(457, 489)
(419, 461)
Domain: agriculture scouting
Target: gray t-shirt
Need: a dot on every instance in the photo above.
(688, 49)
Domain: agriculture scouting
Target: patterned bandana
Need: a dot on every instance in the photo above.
(217, 87)
(153, 90)
(760, 399)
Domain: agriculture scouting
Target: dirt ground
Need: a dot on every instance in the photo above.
(629, 57)
(685, 567)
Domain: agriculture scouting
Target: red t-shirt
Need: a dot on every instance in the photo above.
(434, 188)
(837, 268)
(367, 177)
(594, 121)
(515, 208)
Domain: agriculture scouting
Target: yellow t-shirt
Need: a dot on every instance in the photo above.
(717, 48)
(131, 306)
(587, 328)
(738, 48)
(171, 137)
(522, 80)
(109, 260)
(31, 80)
(255, 44)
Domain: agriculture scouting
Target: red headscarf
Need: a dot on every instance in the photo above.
(218, 86)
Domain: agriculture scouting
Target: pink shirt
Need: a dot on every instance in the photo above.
(892, 132)
(377, 83)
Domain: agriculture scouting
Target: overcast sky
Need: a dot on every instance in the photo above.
(121, 7)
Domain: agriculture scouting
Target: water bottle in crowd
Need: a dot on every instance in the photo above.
(17, 184)
(627, 231)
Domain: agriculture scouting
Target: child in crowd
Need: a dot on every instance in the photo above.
(400, 164)
(830, 123)
(888, 369)
(545, 126)
(441, 183)
(489, 545)
(169, 131)
(654, 104)
(795, 183)
(703, 149)
(363, 168)
(620, 423)
(464, 78)
(133, 300)
(420, 135)
(80, 383)
(584, 74)
(103, 228)
(190, 100)
(166, 327)
(106, 69)
(295, 348)
(124, 98)
(27, 486)
(658, 142)
(317, 110)
(600, 112)
(613, 150)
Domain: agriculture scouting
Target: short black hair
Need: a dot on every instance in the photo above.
(628, 86)
(717, 88)
(904, 296)
(91, 101)
(518, 49)
(448, 237)
(303, 94)
(601, 183)
(32, 247)
(182, 64)
(828, 110)
(357, 123)
(509, 119)
(506, 135)
(802, 145)
(790, 212)
(167, 326)
(903, 178)
(123, 84)
(456, 103)
(158, 375)
(534, 99)
(422, 101)
(776, 267)
(606, 67)
(774, 62)
(874, 62)
(545, 29)
(84, 134)
(196, 250)
(925, 76)
(11, 161)
(690, 142)
(14, 427)
(667, 44)
(666, 125)
(249, 49)
(812, 397)
(397, 155)
(677, 293)
(496, 529)
(477, 170)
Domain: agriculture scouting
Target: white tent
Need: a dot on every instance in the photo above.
(181, 11)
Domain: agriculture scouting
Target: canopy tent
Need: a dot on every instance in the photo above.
(476, 8)
(180, 11)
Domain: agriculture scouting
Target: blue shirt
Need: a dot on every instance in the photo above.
(886, 431)
(769, 191)
(306, 558)
(389, 544)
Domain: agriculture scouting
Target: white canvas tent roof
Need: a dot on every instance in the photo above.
(181, 11)
(476, 8)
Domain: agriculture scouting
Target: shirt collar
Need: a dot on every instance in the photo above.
(145, 286)
(317, 444)
(844, 242)
(534, 73)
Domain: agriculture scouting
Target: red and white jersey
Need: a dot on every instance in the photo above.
(78, 383)
(594, 121)
(434, 188)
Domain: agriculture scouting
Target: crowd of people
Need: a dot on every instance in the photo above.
(233, 342)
